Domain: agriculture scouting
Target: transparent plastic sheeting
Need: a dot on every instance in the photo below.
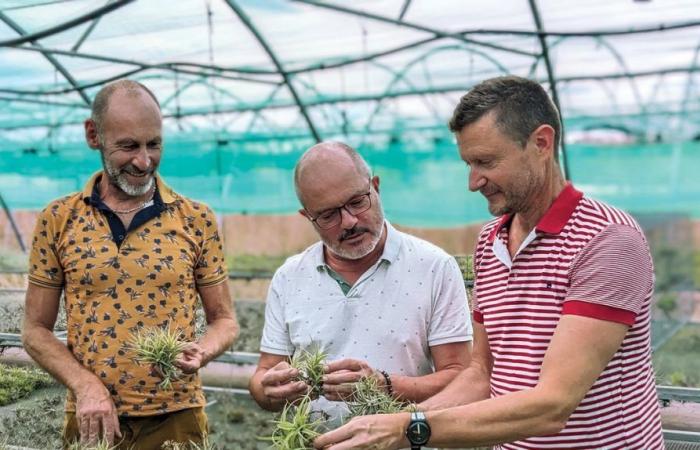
(418, 188)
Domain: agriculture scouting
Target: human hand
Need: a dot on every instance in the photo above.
(382, 431)
(341, 376)
(192, 358)
(95, 412)
(280, 383)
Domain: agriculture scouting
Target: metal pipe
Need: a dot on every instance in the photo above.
(99, 12)
(15, 229)
(552, 81)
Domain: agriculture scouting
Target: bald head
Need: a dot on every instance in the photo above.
(101, 102)
(325, 165)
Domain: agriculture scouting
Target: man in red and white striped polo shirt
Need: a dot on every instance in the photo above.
(562, 298)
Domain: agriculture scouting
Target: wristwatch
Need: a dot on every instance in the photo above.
(418, 431)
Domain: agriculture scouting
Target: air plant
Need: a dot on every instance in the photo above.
(102, 444)
(369, 398)
(310, 363)
(205, 445)
(296, 428)
(159, 347)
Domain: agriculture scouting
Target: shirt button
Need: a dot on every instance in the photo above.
(121, 236)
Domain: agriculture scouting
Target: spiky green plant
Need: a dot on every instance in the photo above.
(159, 347)
(369, 398)
(296, 429)
(19, 382)
(102, 444)
(205, 445)
(310, 362)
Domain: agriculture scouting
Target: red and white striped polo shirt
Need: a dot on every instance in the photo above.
(583, 258)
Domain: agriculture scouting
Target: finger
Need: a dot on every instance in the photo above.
(108, 429)
(281, 365)
(342, 377)
(287, 390)
(345, 364)
(273, 377)
(334, 437)
(84, 428)
(93, 430)
(115, 425)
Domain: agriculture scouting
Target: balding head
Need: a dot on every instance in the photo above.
(324, 164)
(101, 102)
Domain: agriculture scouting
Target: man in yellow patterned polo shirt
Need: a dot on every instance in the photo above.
(127, 253)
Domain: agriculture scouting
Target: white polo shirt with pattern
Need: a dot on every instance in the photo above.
(411, 299)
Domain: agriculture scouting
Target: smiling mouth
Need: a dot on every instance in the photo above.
(354, 236)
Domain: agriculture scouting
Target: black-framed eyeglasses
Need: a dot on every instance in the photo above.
(356, 205)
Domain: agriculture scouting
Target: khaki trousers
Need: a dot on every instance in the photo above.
(149, 432)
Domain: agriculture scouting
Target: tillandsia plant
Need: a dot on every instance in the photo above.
(159, 347)
(100, 445)
(205, 445)
(369, 398)
(296, 428)
(310, 363)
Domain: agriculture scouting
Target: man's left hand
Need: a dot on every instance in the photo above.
(192, 358)
(341, 376)
(385, 431)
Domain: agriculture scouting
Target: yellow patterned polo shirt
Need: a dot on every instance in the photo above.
(113, 285)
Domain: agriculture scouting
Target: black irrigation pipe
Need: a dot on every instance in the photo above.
(415, 26)
(99, 12)
(15, 229)
(271, 54)
(552, 84)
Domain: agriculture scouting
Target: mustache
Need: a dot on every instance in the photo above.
(133, 170)
(352, 232)
(488, 190)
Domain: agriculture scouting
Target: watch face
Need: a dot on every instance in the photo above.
(418, 433)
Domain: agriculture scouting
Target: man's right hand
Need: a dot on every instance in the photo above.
(280, 383)
(95, 413)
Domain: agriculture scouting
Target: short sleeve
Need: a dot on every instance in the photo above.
(211, 265)
(612, 277)
(275, 337)
(45, 267)
(450, 320)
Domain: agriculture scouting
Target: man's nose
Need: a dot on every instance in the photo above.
(476, 180)
(142, 160)
(347, 219)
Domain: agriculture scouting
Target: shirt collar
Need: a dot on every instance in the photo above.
(555, 218)
(163, 191)
(392, 245)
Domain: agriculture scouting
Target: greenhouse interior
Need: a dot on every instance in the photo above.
(245, 87)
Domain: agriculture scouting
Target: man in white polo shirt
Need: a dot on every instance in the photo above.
(380, 302)
(562, 298)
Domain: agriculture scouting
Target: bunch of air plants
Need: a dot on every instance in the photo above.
(205, 445)
(102, 444)
(369, 398)
(19, 382)
(310, 363)
(159, 347)
(296, 428)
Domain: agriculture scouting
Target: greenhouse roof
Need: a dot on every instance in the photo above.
(271, 77)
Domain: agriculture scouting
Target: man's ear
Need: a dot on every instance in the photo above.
(92, 137)
(375, 183)
(543, 140)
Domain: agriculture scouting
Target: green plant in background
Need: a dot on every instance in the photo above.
(159, 347)
(369, 398)
(667, 304)
(310, 362)
(19, 382)
(254, 264)
(296, 429)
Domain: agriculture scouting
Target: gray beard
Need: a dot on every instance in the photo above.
(119, 179)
